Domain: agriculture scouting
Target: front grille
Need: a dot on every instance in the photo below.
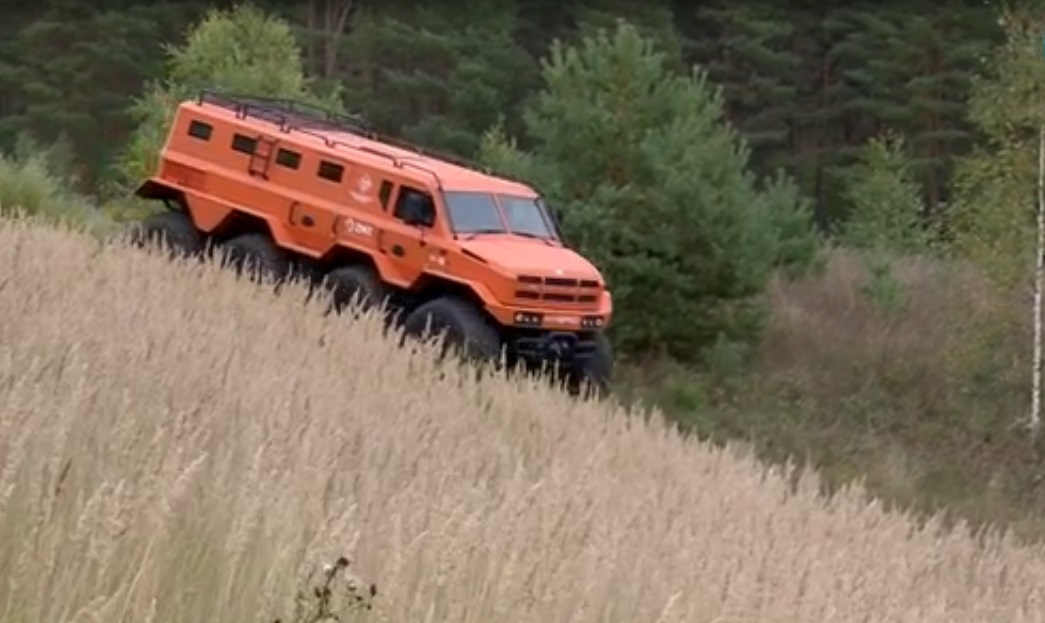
(558, 290)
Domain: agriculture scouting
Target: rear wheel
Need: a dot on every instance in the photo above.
(172, 231)
(257, 256)
(463, 328)
(358, 285)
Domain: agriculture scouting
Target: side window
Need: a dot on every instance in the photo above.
(244, 144)
(200, 130)
(330, 171)
(415, 207)
(384, 193)
(288, 159)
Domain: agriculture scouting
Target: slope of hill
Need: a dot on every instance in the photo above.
(176, 445)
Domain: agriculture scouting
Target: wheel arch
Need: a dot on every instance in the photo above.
(429, 287)
(238, 223)
(173, 198)
(340, 255)
(154, 189)
(217, 220)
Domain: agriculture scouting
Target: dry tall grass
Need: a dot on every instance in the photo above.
(177, 446)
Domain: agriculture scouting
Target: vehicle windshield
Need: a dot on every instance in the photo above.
(478, 213)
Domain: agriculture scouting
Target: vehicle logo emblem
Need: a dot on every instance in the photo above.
(362, 192)
(365, 183)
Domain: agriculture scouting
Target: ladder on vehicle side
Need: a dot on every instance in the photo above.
(261, 157)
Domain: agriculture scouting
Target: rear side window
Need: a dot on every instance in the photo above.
(200, 130)
(330, 171)
(287, 158)
(244, 144)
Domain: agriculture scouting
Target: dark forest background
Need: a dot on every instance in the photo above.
(805, 86)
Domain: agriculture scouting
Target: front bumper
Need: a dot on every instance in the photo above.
(552, 346)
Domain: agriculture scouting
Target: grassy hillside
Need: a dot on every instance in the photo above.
(179, 446)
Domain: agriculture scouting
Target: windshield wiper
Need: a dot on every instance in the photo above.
(478, 232)
(526, 234)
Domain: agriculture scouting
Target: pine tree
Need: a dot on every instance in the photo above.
(71, 71)
(820, 125)
(909, 72)
(886, 200)
(651, 183)
(745, 49)
(438, 77)
(941, 53)
(653, 20)
(868, 68)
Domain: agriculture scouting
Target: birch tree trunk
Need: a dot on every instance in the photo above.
(1039, 286)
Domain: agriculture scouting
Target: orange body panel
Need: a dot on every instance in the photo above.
(224, 162)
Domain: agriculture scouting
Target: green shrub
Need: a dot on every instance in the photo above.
(242, 50)
(29, 187)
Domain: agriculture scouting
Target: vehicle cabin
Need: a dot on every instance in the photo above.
(332, 173)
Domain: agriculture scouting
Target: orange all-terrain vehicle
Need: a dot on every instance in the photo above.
(292, 189)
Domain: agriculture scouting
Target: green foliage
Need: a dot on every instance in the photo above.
(886, 201)
(499, 152)
(57, 158)
(744, 48)
(69, 68)
(32, 184)
(654, 20)
(242, 50)
(886, 219)
(788, 212)
(651, 184)
(992, 222)
(438, 77)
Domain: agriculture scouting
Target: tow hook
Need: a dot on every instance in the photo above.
(561, 345)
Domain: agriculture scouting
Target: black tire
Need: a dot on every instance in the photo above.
(173, 231)
(257, 256)
(360, 285)
(467, 332)
(593, 376)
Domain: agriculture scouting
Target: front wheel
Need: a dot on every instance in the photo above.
(593, 375)
(460, 324)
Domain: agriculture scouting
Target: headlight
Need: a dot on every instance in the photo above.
(592, 322)
(528, 319)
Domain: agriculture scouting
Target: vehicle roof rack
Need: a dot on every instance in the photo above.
(290, 114)
(285, 112)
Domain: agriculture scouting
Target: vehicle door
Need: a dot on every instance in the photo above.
(403, 238)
